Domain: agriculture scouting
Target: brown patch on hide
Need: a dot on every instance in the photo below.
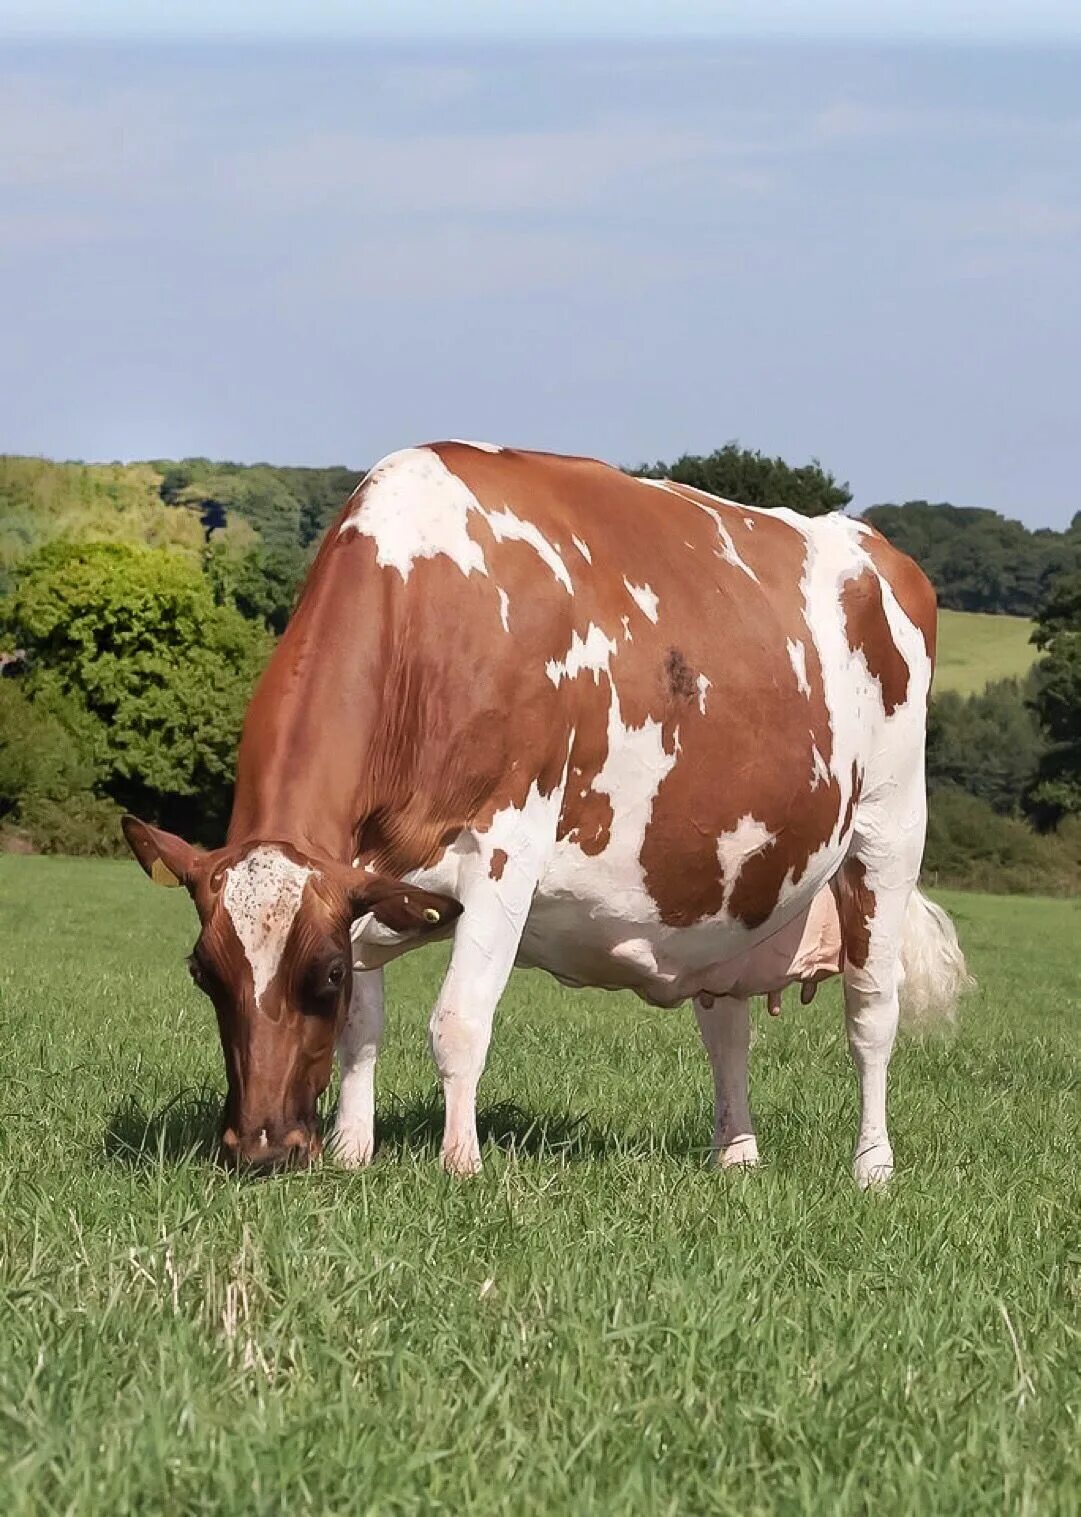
(498, 863)
(913, 591)
(854, 792)
(856, 909)
(868, 632)
(754, 754)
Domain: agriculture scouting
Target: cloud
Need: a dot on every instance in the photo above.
(859, 121)
(517, 172)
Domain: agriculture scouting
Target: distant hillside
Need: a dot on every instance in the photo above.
(974, 648)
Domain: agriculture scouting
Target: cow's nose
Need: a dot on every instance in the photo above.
(267, 1148)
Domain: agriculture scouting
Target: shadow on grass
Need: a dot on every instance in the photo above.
(184, 1128)
(409, 1125)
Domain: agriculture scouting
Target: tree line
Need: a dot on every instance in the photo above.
(138, 603)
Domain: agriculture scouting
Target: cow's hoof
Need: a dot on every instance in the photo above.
(461, 1162)
(873, 1168)
(741, 1153)
(351, 1150)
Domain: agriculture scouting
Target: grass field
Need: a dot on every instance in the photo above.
(599, 1323)
(974, 648)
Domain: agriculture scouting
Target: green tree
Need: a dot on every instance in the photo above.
(158, 675)
(288, 507)
(989, 744)
(1057, 702)
(976, 559)
(754, 480)
(260, 582)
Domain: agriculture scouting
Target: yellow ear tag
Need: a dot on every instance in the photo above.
(430, 914)
(161, 874)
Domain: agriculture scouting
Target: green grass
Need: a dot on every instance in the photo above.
(599, 1323)
(974, 647)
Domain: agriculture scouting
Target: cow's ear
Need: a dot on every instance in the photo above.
(401, 907)
(167, 859)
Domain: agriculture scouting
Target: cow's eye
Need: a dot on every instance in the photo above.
(336, 974)
(197, 972)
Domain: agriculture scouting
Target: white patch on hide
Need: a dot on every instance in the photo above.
(797, 655)
(412, 506)
(593, 652)
(643, 598)
(703, 685)
(727, 550)
(748, 837)
(482, 447)
(506, 527)
(504, 610)
(583, 550)
(262, 895)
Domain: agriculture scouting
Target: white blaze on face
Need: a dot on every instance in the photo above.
(412, 506)
(262, 895)
(644, 599)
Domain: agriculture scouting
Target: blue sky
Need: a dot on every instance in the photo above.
(315, 252)
(967, 20)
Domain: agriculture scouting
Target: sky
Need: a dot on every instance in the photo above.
(835, 240)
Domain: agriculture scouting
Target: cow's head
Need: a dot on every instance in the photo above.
(274, 957)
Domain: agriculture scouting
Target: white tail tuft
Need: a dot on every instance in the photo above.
(935, 973)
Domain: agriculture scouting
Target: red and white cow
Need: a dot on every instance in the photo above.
(639, 736)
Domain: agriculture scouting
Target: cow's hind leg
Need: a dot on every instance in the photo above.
(353, 1142)
(873, 896)
(725, 1025)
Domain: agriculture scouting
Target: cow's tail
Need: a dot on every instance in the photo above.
(935, 973)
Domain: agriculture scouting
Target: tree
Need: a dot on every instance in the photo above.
(977, 559)
(1057, 702)
(288, 507)
(157, 674)
(46, 780)
(751, 478)
(989, 744)
(262, 583)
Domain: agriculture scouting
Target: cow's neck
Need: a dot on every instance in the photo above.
(306, 772)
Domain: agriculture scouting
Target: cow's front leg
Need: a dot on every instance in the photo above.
(461, 1029)
(725, 1025)
(353, 1142)
(496, 898)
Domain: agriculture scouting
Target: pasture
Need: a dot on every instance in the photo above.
(974, 647)
(599, 1323)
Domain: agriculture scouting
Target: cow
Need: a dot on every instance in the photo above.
(613, 728)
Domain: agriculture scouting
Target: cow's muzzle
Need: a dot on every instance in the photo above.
(293, 1145)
